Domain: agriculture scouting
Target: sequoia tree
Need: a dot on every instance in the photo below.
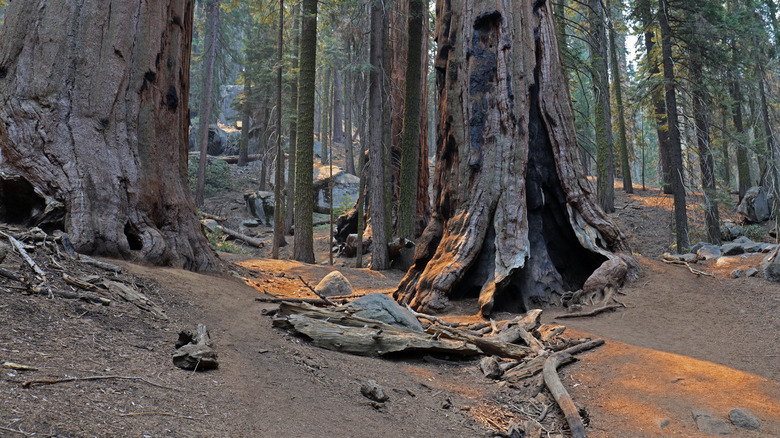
(515, 220)
(94, 126)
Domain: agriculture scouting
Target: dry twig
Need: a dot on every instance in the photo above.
(166, 414)
(31, 383)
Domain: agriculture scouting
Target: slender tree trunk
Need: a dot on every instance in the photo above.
(205, 115)
(338, 107)
(288, 221)
(605, 167)
(107, 85)
(349, 154)
(279, 174)
(743, 163)
(304, 169)
(677, 171)
(361, 201)
(410, 137)
(246, 122)
(263, 142)
(657, 93)
(724, 150)
(380, 259)
(617, 86)
(706, 162)
(326, 111)
(512, 210)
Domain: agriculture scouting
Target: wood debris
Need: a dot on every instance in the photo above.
(512, 350)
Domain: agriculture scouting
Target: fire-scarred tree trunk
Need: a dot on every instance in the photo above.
(93, 115)
(515, 220)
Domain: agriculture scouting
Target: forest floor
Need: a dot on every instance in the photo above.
(685, 344)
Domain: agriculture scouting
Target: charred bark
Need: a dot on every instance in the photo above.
(515, 220)
(93, 115)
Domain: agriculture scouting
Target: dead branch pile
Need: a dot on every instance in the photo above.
(35, 262)
(512, 350)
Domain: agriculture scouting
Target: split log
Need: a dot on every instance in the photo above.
(137, 298)
(489, 346)
(90, 298)
(83, 284)
(20, 249)
(535, 365)
(371, 341)
(236, 235)
(560, 394)
(98, 264)
(197, 353)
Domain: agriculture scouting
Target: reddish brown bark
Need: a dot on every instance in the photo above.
(515, 221)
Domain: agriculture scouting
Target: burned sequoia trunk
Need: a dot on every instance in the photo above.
(515, 221)
(94, 120)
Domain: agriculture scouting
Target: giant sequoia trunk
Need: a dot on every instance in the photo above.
(93, 115)
(515, 221)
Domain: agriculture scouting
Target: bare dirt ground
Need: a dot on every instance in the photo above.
(683, 344)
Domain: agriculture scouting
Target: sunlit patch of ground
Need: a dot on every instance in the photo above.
(652, 393)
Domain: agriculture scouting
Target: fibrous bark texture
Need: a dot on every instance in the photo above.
(303, 251)
(515, 220)
(93, 115)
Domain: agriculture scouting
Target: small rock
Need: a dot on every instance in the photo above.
(446, 404)
(210, 224)
(334, 284)
(767, 247)
(734, 248)
(663, 422)
(490, 368)
(730, 231)
(737, 273)
(372, 391)
(754, 247)
(707, 423)
(743, 240)
(752, 272)
(698, 246)
(251, 223)
(381, 307)
(708, 252)
(744, 418)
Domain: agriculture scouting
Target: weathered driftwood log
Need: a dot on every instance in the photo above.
(240, 236)
(135, 297)
(560, 394)
(535, 365)
(194, 351)
(489, 346)
(372, 341)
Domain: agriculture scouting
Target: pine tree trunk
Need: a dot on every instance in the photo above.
(701, 103)
(246, 122)
(675, 156)
(514, 221)
(657, 94)
(205, 113)
(605, 167)
(303, 250)
(410, 136)
(288, 221)
(108, 80)
(349, 154)
(743, 165)
(617, 86)
(380, 259)
(279, 173)
(338, 108)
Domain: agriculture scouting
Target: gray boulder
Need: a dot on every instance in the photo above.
(754, 207)
(334, 284)
(708, 252)
(733, 248)
(709, 424)
(744, 418)
(217, 140)
(383, 308)
(729, 231)
(210, 224)
(261, 206)
(751, 272)
(737, 273)
(771, 267)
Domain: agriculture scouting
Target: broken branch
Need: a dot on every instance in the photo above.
(560, 394)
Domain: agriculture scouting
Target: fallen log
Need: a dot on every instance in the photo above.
(373, 341)
(561, 396)
(194, 351)
(137, 298)
(236, 235)
(489, 346)
(535, 365)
